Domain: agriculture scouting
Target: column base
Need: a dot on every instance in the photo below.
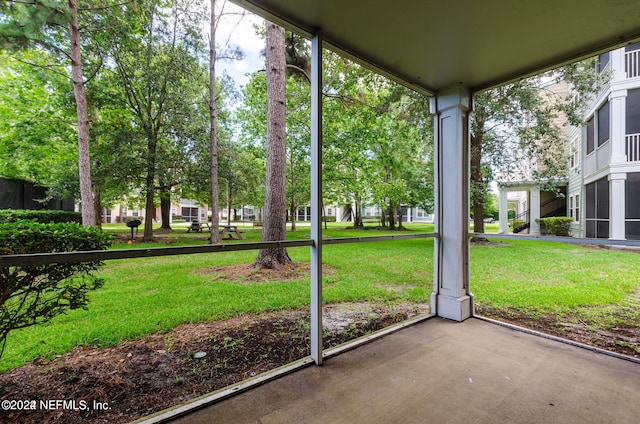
(453, 308)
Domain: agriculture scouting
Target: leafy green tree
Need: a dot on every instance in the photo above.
(518, 123)
(54, 26)
(298, 148)
(155, 58)
(36, 130)
(348, 127)
(253, 117)
(378, 141)
(197, 176)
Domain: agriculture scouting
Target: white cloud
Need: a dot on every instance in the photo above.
(238, 30)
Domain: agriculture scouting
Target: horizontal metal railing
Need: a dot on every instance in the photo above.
(103, 255)
(569, 240)
(35, 259)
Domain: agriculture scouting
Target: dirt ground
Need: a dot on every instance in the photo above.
(622, 338)
(136, 378)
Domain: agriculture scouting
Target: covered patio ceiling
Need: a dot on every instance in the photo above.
(431, 44)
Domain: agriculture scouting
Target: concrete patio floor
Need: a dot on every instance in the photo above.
(440, 371)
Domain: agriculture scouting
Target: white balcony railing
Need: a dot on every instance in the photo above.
(633, 147)
(632, 63)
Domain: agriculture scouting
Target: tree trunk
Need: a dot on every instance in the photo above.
(357, 215)
(97, 204)
(165, 207)
(84, 162)
(274, 223)
(392, 215)
(324, 216)
(229, 204)
(213, 114)
(292, 204)
(150, 186)
(477, 183)
(292, 208)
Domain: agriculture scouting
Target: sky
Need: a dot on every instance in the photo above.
(239, 31)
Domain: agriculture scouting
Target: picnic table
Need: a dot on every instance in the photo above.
(196, 226)
(229, 231)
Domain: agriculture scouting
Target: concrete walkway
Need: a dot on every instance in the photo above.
(444, 372)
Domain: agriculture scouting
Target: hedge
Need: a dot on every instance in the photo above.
(517, 222)
(557, 225)
(43, 216)
(35, 294)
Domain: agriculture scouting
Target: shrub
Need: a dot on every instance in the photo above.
(127, 219)
(35, 294)
(517, 222)
(557, 225)
(372, 219)
(43, 215)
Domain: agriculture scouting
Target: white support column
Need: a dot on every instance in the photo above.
(617, 206)
(617, 102)
(316, 198)
(451, 297)
(534, 211)
(504, 210)
(617, 60)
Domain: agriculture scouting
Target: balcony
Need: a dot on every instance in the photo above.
(632, 146)
(632, 63)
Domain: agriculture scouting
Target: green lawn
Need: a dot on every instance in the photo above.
(596, 288)
(552, 277)
(151, 295)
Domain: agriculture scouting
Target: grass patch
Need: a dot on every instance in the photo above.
(551, 278)
(154, 295)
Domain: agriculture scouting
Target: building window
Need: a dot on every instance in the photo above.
(603, 124)
(590, 135)
(577, 214)
(632, 115)
(598, 128)
(603, 61)
(597, 204)
(329, 211)
(189, 214)
(573, 153)
(174, 211)
(420, 213)
(571, 206)
(632, 206)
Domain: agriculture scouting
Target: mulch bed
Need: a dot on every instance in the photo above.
(137, 378)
